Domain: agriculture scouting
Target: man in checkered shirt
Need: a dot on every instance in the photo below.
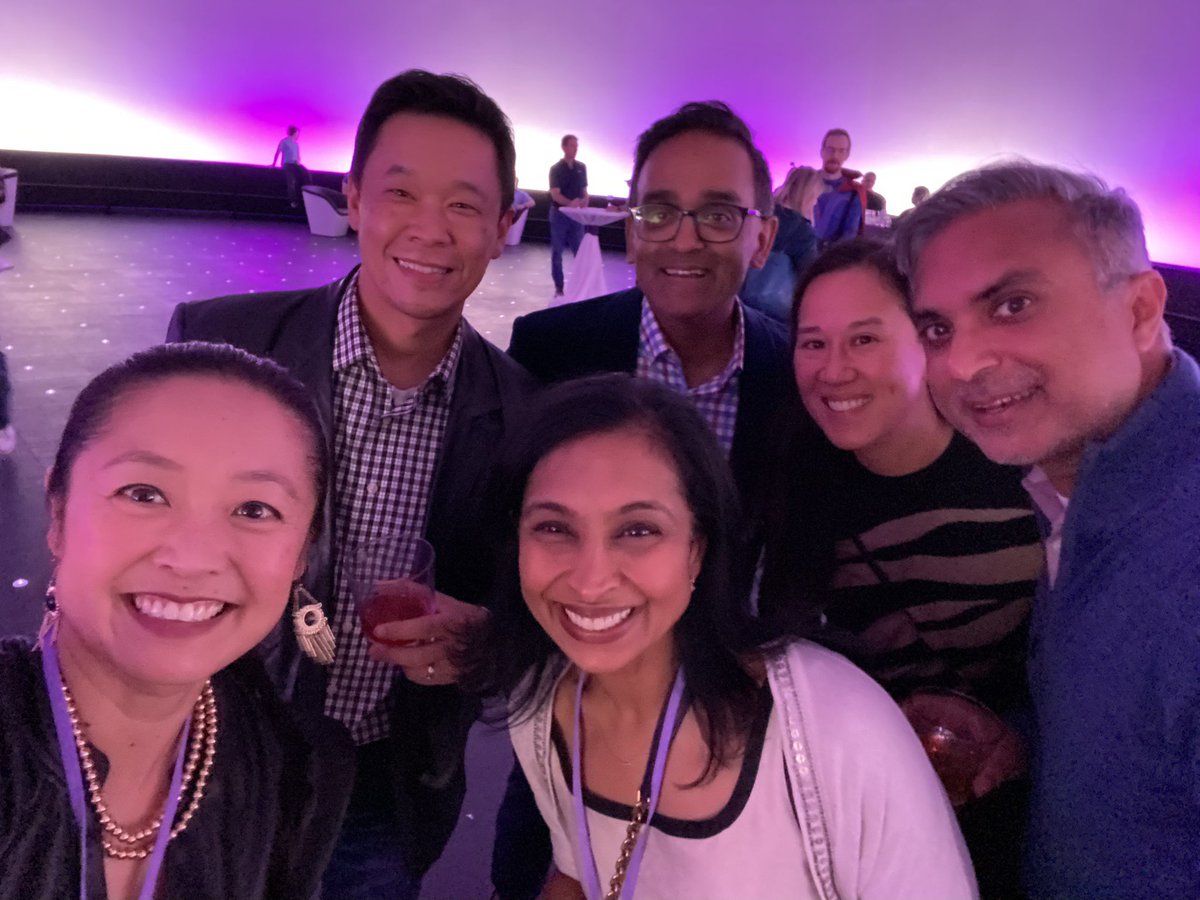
(415, 402)
(701, 218)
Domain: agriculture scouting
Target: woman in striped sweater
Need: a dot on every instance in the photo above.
(894, 538)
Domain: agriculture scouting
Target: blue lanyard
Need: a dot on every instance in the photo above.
(652, 782)
(69, 754)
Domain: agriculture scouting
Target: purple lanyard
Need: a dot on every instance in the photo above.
(69, 754)
(653, 781)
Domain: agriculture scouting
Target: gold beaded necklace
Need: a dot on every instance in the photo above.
(120, 843)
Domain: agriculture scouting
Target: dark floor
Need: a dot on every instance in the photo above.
(86, 290)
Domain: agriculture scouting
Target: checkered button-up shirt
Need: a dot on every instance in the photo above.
(717, 399)
(386, 447)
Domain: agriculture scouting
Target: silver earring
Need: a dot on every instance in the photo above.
(313, 633)
(50, 618)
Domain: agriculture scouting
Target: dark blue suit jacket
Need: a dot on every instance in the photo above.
(296, 329)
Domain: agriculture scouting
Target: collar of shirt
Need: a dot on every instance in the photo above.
(654, 350)
(352, 348)
(1053, 506)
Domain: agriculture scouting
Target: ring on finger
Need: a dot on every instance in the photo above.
(429, 670)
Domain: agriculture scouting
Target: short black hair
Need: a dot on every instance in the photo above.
(94, 405)
(858, 253)
(448, 96)
(509, 653)
(711, 117)
(567, 137)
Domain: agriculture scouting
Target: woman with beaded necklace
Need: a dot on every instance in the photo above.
(143, 752)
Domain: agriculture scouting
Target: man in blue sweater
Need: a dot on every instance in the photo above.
(1043, 323)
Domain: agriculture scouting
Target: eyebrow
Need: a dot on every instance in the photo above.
(458, 184)
(264, 476)
(860, 323)
(251, 476)
(707, 197)
(636, 506)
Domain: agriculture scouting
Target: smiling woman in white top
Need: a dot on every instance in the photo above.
(674, 748)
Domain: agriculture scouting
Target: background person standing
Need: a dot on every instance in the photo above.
(568, 187)
(289, 152)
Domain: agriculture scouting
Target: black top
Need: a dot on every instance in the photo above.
(570, 179)
(924, 579)
(265, 828)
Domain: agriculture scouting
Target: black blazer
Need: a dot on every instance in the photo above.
(430, 723)
(601, 335)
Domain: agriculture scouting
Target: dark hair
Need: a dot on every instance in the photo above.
(93, 407)
(833, 131)
(859, 253)
(565, 138)
(807, 489)
(292, 129)
(711, 117)
(448, 96)
(510, 655)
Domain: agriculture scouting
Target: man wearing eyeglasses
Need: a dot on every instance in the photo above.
(700, 218)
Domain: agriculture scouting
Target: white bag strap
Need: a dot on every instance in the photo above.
(798, 760)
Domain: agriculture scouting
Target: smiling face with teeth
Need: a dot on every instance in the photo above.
(1029, 355)
(607, 550)
(687, 279)
(183, 526)
(429, 219)
(860, 370)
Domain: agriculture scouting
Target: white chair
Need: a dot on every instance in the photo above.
(324, 216)
(518, 228)
(8, 205)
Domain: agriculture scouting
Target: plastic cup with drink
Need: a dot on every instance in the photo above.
(391, 580)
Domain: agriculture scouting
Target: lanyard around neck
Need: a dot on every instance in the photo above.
(651, 787)
(69, 753)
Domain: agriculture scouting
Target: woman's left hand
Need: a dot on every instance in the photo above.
(427, 660)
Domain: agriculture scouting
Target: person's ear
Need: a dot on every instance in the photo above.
(1147, 303)
(54, 532)
(506, 221)
(766, 240)
(696, 556)
(353, 201)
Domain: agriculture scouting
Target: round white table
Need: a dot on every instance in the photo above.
(586, 278)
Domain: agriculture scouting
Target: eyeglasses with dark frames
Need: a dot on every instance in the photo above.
(716, 223)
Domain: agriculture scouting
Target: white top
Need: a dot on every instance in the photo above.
(892, 832)
(593, 215)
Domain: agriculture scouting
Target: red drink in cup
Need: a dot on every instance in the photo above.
(392, 580)
(395, 601)
(958, 733)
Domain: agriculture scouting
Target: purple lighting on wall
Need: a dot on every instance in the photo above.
(925, 87)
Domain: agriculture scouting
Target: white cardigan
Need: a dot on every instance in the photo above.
(873, 820)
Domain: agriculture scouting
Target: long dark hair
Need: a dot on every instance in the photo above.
(801, 519)
(509, 655)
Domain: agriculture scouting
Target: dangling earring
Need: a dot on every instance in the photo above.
(50, 619)
(313, 633)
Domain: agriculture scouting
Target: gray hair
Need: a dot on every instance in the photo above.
(1107, 222)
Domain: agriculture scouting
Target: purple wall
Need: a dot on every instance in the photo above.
(926, 87)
